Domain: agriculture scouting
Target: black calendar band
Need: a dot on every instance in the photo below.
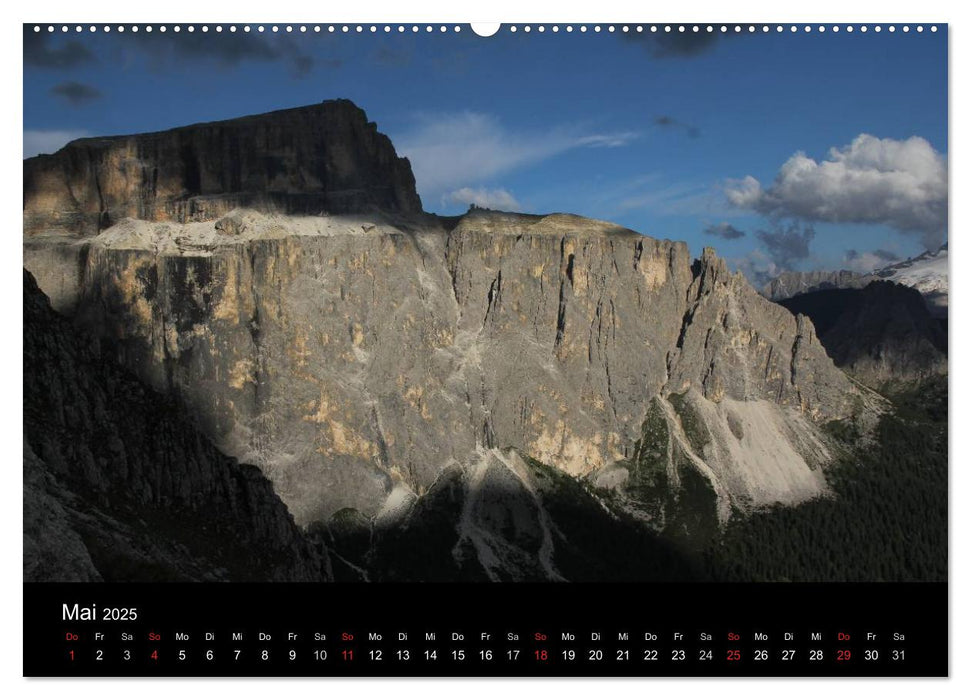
(520, 629)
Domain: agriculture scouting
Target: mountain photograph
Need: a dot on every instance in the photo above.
(390, 317)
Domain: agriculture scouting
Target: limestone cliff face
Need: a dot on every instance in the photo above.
(738, 345)
(277, 275)
(354, 359)
(119, 486)
(324, 158)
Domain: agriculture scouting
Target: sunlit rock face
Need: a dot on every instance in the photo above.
(355, 357)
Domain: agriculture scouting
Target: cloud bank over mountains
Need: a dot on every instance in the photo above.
(898, 183)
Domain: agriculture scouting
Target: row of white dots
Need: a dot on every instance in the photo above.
(765, 28)
(246, 28)
(667, 28)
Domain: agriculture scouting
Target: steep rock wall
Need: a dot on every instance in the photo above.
(351, 357)
(119, 485)
(308, 160)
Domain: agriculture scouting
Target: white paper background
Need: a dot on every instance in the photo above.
(509, 11)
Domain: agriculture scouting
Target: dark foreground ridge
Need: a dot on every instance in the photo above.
(322, 158)
(118, 486)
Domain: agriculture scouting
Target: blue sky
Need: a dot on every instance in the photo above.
(655, 132)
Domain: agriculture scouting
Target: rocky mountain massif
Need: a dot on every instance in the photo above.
(399, 375)
(793, 283)
(321, 159)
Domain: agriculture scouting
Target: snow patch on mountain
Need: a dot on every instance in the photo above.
(927, 273)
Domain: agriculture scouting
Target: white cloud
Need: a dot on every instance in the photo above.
(757, 267)
(869, 260)
(36, 141)
(449, 151)
(617, 140)
(902, 184)
(481, 197)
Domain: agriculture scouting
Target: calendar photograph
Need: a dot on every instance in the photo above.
(405, 311)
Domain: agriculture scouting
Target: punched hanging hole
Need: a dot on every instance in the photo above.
(485, 29)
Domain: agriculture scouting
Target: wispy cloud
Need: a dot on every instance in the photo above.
(675, 44)
(498, 198)
(75, 93)
(44, 50)
(448, 151)
(37, 141)
(614, 140)
(783, 248)
(757, 267)
(724, 230)
(651, 193)
(666, 121)
(869, 260)
(787, 245)
(230, 50)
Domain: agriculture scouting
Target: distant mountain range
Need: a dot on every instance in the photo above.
(882, 333)
(886, 326)
(927, 273)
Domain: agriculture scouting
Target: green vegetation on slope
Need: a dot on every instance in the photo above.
(887, 522)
